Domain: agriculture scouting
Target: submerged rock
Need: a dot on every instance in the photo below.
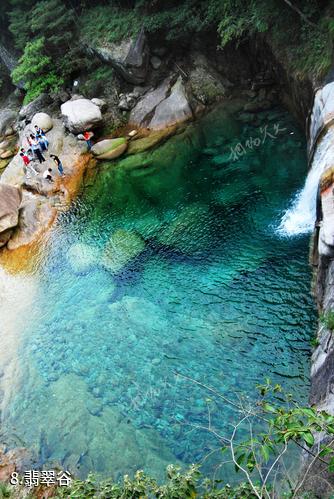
(80, 115)
(189, 232)
(110, 148)
(122, 247)
(82, 257)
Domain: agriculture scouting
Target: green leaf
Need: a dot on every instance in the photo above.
(325, 451)
(308, 438)
(331, 465)
(269, 408)
(265, 451)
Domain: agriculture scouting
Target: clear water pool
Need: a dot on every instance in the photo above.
(171, 267)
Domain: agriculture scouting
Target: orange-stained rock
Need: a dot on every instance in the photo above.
(43, 200)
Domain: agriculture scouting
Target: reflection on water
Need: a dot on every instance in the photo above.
(169, 264)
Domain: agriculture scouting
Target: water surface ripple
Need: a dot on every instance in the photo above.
(211, 292)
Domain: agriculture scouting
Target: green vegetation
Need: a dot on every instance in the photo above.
(327, 319)
(301, 32)
(35, 69)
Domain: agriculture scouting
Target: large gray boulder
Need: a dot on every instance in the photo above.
(172, 110)
(142, 113)
(43, 121)
(10, 202)
(163, 107)
(80, 115)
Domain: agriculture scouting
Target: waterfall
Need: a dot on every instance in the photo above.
(300, 217)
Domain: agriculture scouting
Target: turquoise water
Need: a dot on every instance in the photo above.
(170, 264)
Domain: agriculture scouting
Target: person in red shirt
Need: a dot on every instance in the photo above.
(87, 136)
(25, 158)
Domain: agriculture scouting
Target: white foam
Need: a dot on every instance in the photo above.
(300, 217)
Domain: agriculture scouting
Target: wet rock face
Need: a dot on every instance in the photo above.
(10, 202)
(322, 113)
(80, 115)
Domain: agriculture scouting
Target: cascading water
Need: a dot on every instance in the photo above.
(300, 217)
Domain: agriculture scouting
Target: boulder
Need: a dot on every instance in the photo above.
(142, 112)
(145, 143)
(127, 102)
(40, 104)
(7, 154)
(36, 214)
(100, 103)
(174, 109)
(7, 119)
(80, 115)
(43, 121)
(165, 106)
(326, 235)
(10, 202)
(4, 144)
(122, 247)
(109, 148)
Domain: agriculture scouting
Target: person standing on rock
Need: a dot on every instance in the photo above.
(26, 161)
(24, 157)
(88, 136)
(41, 137)
(58, 163)
(36, 148)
